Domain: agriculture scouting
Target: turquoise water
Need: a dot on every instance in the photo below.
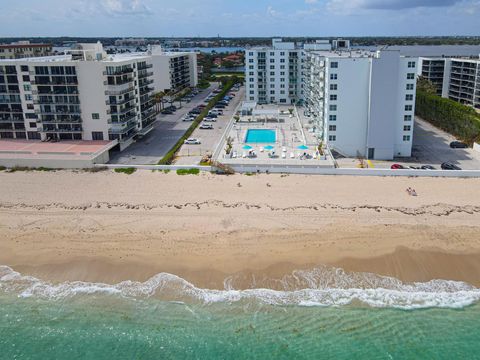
(260, 136)
(168, 318)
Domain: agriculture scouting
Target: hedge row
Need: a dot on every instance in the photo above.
(459, 120)
(170, 156)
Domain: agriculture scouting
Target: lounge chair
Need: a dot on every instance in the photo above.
(234, 155)
(261, 148)
(292, 155)
(244, 155)
(284, 155)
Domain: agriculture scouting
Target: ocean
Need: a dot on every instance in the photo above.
(332, 315)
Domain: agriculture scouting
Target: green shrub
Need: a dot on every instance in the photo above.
(188, 171)
(459, 120)
(128, 171)
(3, 168)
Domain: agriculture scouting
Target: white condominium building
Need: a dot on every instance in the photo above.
(274, 74)
(87, 95)
(173, 71)
(362, 104)
(455, 78)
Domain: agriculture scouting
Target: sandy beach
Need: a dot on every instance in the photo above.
(108, 227)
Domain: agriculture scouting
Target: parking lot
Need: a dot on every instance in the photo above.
(192, 154)
(166, 132)
(431, 146)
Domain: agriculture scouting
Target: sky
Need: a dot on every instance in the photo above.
(237, 18)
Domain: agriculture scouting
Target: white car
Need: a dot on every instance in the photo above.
(192, 141)
(188, 118)
(209, 119)
(206, 126)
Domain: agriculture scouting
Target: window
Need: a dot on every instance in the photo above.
(24, 68)
(333, 87)
(282, 86)
(409, 97)
(250, 53)
(97, 135)
(282, 67)
(26, 78)
(283, 100)
(408, 107)
(28, 97)
(333, 107)
(411, 64)
(282, 73)
(252, 92)
(252, 79)
(410, 76)
(27, 87)
(406, 137)
(333, 97)
(251, 86)
(332, 137)
(332, 118)
(272, 86)
(407, 128)
(272, 61)
(333, 76)
(95, 116)
(410, 86)
(334, 65)
(272, 92)
(32, 124)
(407, 118)
(251, 73)
(251, 67)
(332, 128)
(250, 60)
(30, 106)
(272, 67)
(282, 53)
(282, 61)
(272, 73)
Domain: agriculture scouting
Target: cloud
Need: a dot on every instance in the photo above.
(311, 1)
(125, 7)
(350, 5)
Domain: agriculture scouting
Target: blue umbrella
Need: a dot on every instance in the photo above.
(247, 147)
(269, 147)
(302, 147)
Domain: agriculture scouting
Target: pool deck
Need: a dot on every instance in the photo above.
(291, 131)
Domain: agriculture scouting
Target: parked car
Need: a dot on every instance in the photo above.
(219, 106)
(201, 106)
(213, 115)
(195, 111)
(167, 112)
(193, 141)
(458, 145)
(397, 167)
(206, 126)
(210, 119)
(427, 167)
(188, 118)
(450, 166)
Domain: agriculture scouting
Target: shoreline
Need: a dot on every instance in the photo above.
(106, 227)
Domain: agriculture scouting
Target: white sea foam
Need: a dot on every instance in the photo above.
(322, 286)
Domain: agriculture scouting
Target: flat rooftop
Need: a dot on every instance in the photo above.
(31, 149)
(62, 58)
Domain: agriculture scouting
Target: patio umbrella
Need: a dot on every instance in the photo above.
(247, 147)
(269, 147)
(302, 147)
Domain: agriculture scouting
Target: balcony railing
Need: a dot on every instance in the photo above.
(119, 92)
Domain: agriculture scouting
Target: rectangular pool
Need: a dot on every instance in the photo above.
(260, 136)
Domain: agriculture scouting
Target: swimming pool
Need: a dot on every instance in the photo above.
(260, 136)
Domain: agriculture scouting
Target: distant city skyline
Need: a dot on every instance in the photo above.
(209, 18)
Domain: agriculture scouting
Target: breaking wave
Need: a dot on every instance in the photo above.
(322, 286)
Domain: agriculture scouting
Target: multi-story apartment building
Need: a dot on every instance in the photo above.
(173, 71)
(274, 74)
(24, 49)
(86, 95)
(455, 78)
(362, 104)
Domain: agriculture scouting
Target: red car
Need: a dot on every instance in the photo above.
(397, 167)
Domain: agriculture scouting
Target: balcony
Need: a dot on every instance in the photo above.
(118, 72)
(123, 119)
(145, 90)
(142, 75)
(122, 111)
(144, 67)
(119, 82)
(119, 102)
(118, 92)
(123, 130)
